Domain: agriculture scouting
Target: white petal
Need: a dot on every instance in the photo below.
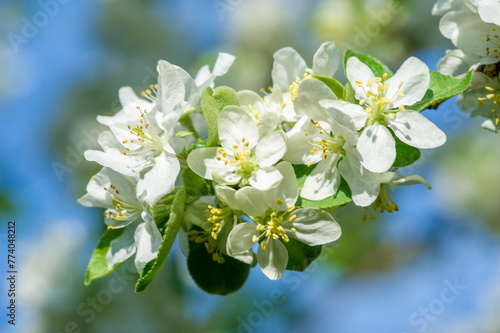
(204, 162)
(171, 89)
(323, 181)
(121, 248)
(234, 125)
(148, 240)
(240, 238)
(265, 178)
(288, 65)
(313, 227)
(223, 63)
(310, 93)
(115, 160)
(456, 62)
(489, 10)
(225, 177)
(326, 60)
(226, 194)
(354, 111)
(273, 260)
(377, 148)
(287, 190)
(160, 180)
(299, 151)
(414, 74)
(364, 185)
(415, 130)
(271, 149)
(252, 201)
(356, 70)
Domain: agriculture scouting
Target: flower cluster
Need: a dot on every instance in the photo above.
(474, 28)
(245, 178)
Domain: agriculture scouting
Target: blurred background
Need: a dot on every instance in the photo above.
(432, 267)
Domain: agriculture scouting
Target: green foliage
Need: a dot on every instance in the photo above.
(442, 87)
(340, 198)
(98, 266)
(195, 185)
(300, 255)
(212, 102)
(333, 84)
(405, 154)
(377, 67)
(174, 221)
(212, 277)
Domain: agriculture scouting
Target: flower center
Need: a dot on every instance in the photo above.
(326, 143)
(273, 227)
(377, 103)
(294, 87)
(383, 202)
(242, 159)
(493, 42)
(492, 99)
(151, 142)
(124, 207)
(211, 229)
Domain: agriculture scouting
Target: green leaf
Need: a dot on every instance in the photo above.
(300, 255)
(442, 87)
(212, 277)
(333, 84)
(405, 154)
(349, 94)
(225, 96)
(195, 185)
(169, 235)
(98, 266)
(211, 112)
(340, 198)
(377, 67)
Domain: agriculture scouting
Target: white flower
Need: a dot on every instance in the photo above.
(116, 192)
(326, 142)
(244, 157)
(472, 26)
(290, 69)
(483, 97)
(142, 142)
(382, 105)
(277, 220)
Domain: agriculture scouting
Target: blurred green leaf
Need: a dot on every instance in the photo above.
(173, 224)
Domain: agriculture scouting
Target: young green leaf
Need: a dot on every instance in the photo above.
(333, 84)
(442, 87)
(377, 67)
(98, 266)
(225, 96)
(195, 185)
(169, 235)
(405, 154)
(300, 255)
(211, 112)
(212, 277)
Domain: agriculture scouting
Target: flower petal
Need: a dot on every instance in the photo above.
(148, 240)
(227, 195)
(234, 125)
(326, 60)
(160, 180)
(271, 149)
(414, 76)
(414, 129)
(313, 227)
(273, 259)
(121, 248)
(252, 201)
(171, 89)
(310, 93)
(287, 190)
(354, 111)
(299, 144)
(358, 71)
(323, 181)
(288, 65)
(265, 178)
(377, 148)
(240, 238)
(204, 162)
